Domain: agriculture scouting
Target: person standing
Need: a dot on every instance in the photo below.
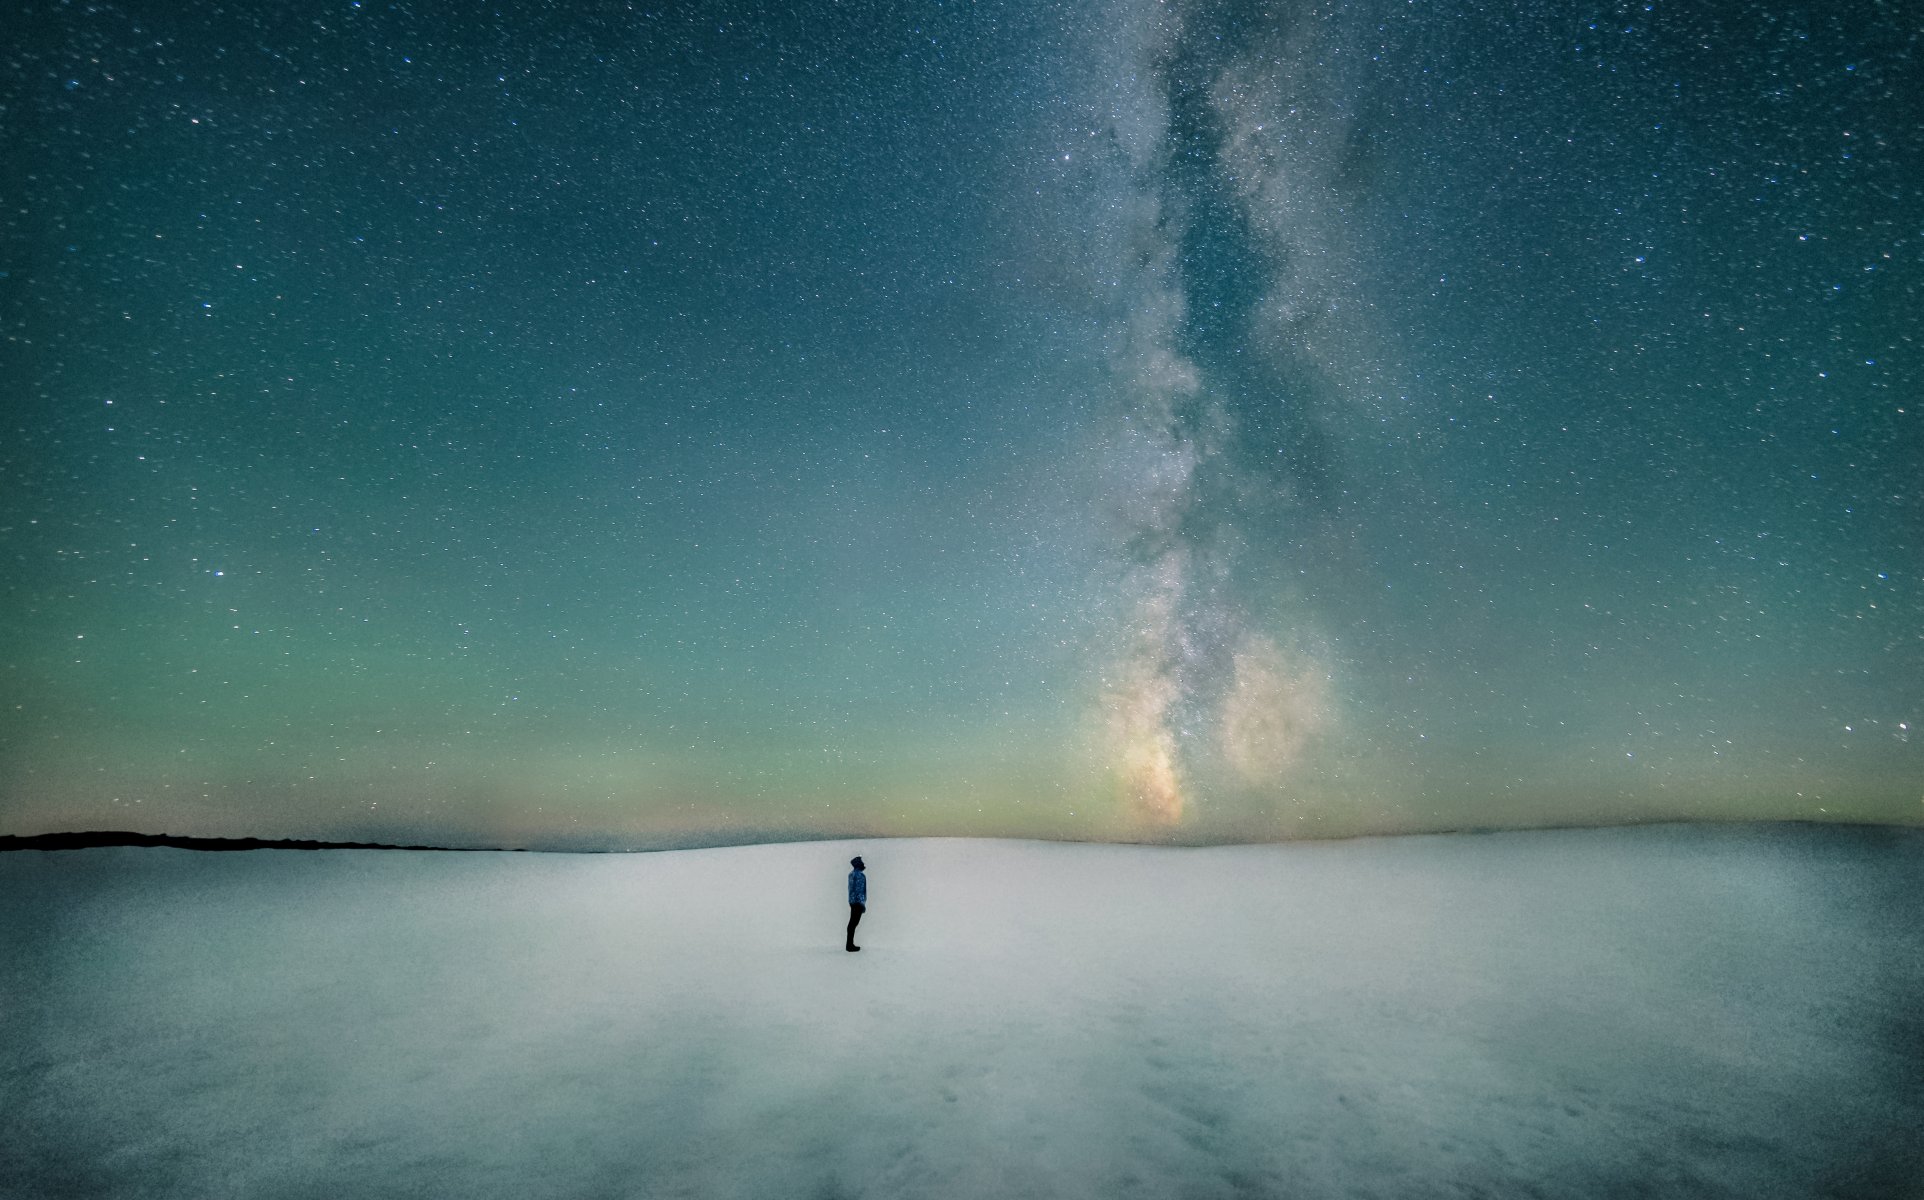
(857, 900)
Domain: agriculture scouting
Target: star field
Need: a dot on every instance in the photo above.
(624, 425)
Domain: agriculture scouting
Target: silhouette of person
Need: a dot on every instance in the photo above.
(857, 900)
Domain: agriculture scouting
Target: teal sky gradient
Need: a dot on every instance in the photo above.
(1187, 422)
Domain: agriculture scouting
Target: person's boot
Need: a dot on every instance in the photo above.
(851, 947)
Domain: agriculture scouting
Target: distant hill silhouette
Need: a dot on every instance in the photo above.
(91, 840)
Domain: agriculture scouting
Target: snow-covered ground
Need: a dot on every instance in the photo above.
(1667, 1012)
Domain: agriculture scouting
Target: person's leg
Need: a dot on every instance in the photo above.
(854, 918)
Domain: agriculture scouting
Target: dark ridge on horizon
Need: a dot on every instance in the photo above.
(87, 840)
(103, 838)
(93, 839)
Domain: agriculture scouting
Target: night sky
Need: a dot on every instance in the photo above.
(611, 425)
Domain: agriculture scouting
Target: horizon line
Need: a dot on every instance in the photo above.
(104, 839)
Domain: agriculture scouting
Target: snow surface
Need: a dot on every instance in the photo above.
(1682, 1011)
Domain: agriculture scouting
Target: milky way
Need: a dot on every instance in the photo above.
(1168, 421)
(1232, 137)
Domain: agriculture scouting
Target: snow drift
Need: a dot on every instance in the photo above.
(1684, 1011)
